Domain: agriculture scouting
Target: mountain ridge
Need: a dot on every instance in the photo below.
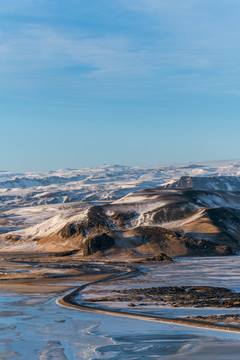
(189, 200)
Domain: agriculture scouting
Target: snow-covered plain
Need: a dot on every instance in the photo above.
(105, 183)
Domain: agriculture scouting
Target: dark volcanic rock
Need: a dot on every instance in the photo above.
(97, 243)
(97, 219)
(173, 212)
(95, 222)
(122, 218)
(12, 238)
(160, 257)
(197, 296)
(205, 247)
(72, 230)
(225, 218)
(168, 240)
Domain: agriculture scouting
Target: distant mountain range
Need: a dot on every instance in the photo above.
(177, 209)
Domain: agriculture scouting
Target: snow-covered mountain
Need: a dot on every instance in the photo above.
(105, 183)
(224, 183)
(43, 203)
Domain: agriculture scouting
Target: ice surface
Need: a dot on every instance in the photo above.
(215, 271)
(35, 327)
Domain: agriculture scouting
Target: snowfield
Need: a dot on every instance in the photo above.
(105, 183)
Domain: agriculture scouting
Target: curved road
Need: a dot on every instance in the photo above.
(69, 300)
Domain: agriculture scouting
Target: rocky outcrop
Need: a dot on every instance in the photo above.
(123, 218)
(97, 220)
(156, 239)
(160, 257)
(13, 238)
(97, 243)
(72, 230)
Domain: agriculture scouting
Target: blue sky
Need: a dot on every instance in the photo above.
(134, 82)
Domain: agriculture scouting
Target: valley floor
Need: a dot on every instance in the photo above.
(34, 326)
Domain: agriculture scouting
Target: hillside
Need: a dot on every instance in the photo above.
(101, 215)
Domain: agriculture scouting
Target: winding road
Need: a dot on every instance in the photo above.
(69, 300)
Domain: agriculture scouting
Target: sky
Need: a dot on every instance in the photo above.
(131, 82)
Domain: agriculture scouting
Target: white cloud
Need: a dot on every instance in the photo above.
(189, 48)
(39, 48)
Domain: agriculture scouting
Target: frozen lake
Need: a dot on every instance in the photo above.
(35, 327)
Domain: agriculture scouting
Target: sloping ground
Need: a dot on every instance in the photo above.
(176, 222)
(31, 198)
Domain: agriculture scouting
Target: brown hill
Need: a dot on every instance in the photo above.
(177, 222)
